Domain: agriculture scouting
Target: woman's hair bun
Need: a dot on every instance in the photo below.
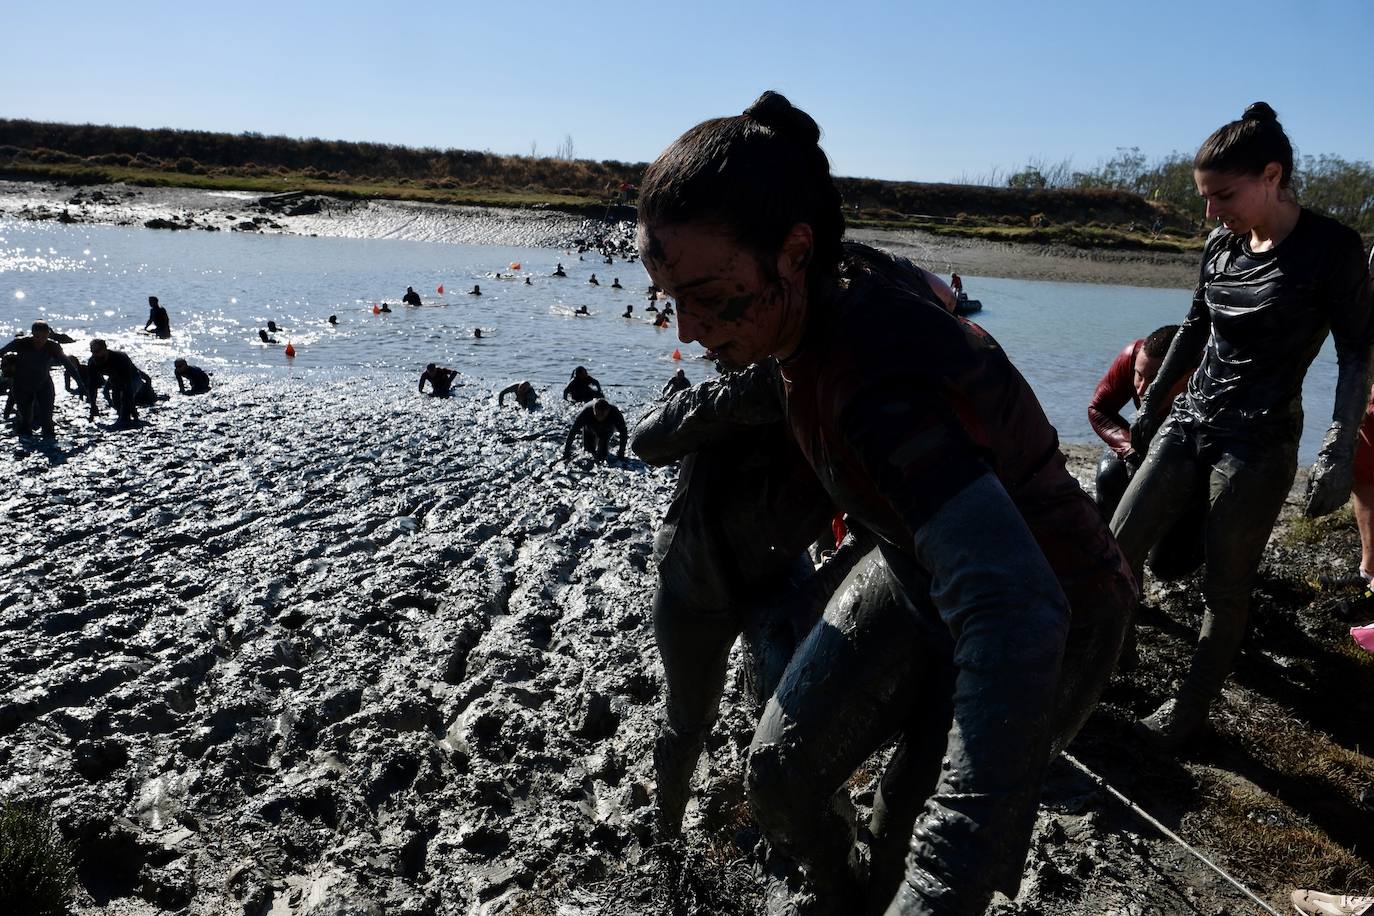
(1259, 111)
(773, 111)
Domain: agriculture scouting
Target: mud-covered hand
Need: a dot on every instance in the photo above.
(1332, 474)
(1143, 428)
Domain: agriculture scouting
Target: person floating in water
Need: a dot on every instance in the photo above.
(668, 309)
(527, 282)
(386, 308)
(581, 310)
(675, 384)
(263, 336)
(272, 326)
(651, 307)
(582, 387)
(559, 271)
(594, 281)
(439, 378)
(31, 389)
(608, 260)
(333, 319)
(629, 312)
(411, 297)
(615, 284)
(129, 386)
(524, 392)
(661, 321)
(596, 424)
(158, 319)
(475, 291)
(477, 333)
(198, 378)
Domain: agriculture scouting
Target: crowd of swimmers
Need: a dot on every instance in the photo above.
(976, 600)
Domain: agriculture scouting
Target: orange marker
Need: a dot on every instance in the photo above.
(514, 265)
(290, 350)
(440, 289)
(677, 354)
(376, 309)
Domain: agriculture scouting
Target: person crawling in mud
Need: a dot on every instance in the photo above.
(440, 380)
(158, 319)
(1126, 380)
(524, 392)
(28, 362)
(988, 621)
(596, 424)
(675, 384)
(128, 385)
(582, 387)
(1275, 279)
(190, 379)
(411, 297)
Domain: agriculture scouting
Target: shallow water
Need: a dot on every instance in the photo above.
(220, 288)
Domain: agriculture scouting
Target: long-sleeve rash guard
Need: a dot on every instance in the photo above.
(900, 407)
(614, 422)
(1114, 391)
(1258, 321)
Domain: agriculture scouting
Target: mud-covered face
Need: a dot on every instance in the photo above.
(1241, 202)
(728, 299)
(1146, 368)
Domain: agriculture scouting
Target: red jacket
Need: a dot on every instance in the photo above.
(1113, 391)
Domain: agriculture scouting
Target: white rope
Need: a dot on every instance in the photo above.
(1152, 821)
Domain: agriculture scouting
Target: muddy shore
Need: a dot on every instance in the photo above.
(185, 208)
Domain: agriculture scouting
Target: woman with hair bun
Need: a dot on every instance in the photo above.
(988, 619)
(1275, 279)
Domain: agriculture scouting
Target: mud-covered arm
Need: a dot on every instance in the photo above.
(1008, 619)
(711, 411)
(577, 427)
(1184, 354)
(618, 419)
(1113, 392)
(1352, 327)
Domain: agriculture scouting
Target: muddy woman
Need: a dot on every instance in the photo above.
(1276, 278)
(1007, 590)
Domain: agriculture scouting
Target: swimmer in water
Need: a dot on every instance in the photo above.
(477, 333)
(615, 284)
(386, 308)
(411, 297)
(594, 281)
(668, 309)
(527, 282)
(559, 271)
(333, 319)
(581, 310)
(262, 335)
(475, 291)
(629, 312)
(272, 326)
(651, 307)
(661, 321)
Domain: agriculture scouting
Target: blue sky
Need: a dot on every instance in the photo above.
(910, 91)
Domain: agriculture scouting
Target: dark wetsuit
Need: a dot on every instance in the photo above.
(197, 378)
(582, 390)
(596, 434)
(411, 297)
(1257, 321)
(127, 383)
(1179, 552)
(675, 384)
(440, 380)
(984, 632)
(31, 388)
(528, 399)
(158, 318)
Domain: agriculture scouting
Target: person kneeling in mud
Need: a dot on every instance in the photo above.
(128, 385)
(596, 424)
(989, 620)
(440, 380)
(731, 560)
(194, 377)
(524, 392)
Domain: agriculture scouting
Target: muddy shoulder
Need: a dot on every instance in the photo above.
(292, 651)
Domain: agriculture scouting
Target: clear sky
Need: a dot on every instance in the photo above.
(910, 91)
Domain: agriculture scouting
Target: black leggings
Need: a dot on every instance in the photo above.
(1180, 550)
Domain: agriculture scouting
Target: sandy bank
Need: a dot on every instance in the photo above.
(240, 211)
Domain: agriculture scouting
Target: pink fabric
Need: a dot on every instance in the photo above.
(1364, 636)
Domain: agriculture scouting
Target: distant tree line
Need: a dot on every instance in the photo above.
(1341, 188)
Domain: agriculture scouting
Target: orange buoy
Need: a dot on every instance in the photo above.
(514, 265)
(440, 289)
(677, 354)
(376, 309)
(290, 350)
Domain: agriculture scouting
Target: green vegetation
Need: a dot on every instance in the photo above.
(36, 874)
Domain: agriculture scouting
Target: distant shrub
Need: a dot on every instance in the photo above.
(36, 874)
(187, 166)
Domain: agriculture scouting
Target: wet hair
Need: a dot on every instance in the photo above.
(1157, 344)
(40, 327)
(1246, 146)
(756, 174)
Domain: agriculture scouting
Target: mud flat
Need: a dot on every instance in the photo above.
(298, 648)
(186, 208)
